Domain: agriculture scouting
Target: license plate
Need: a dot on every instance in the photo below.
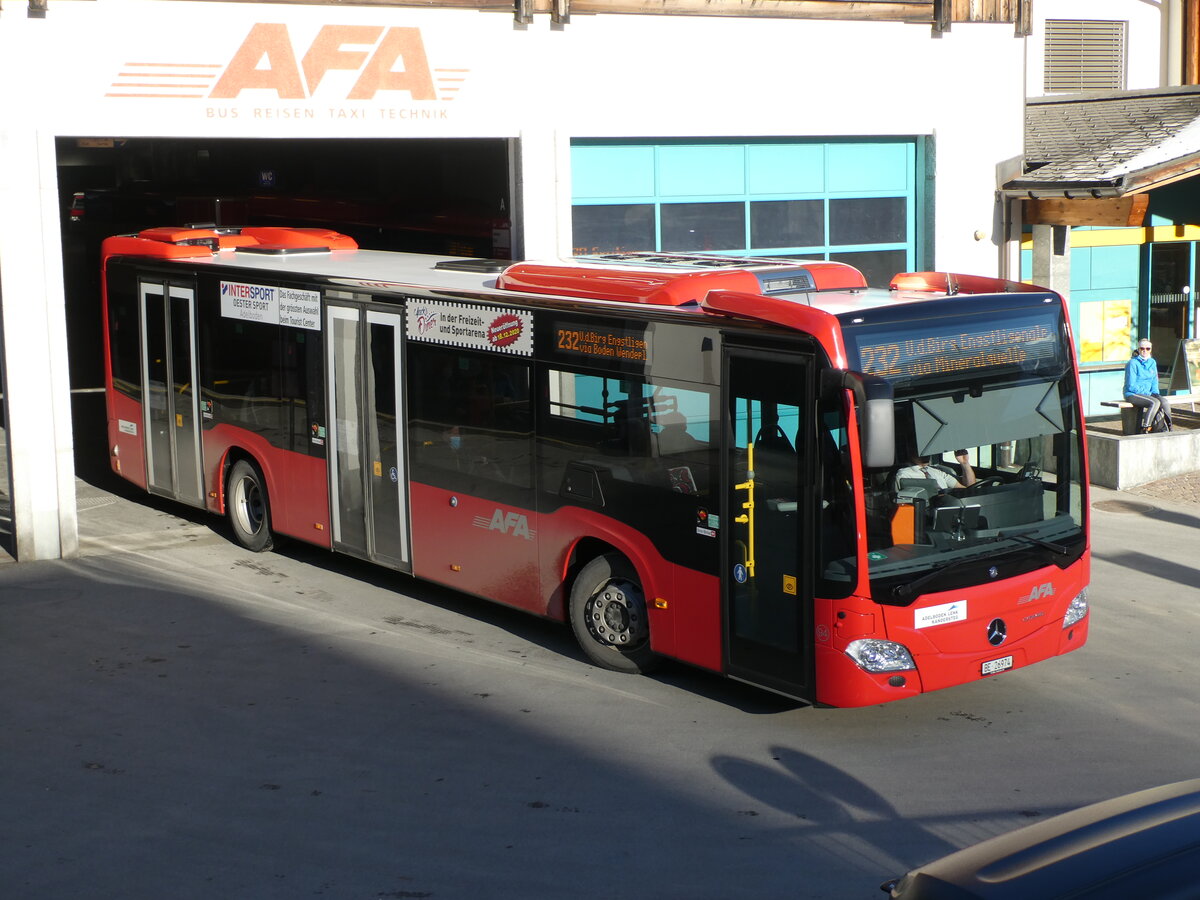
(992, 666)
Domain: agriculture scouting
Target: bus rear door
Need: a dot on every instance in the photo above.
(367, 477)
(170, 408)
(768, 592)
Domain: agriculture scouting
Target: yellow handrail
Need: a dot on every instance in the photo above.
(748, 517)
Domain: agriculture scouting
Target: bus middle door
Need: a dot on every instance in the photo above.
(367, 467)
(768, 619)
(170, 410)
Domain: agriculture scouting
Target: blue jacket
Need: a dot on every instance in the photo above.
(1141, 376)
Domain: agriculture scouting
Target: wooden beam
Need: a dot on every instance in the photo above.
(1120, 212)
(1191, 43)
(484, 5)
(913, 11)
(920, 12)
(987, 10)
(853, 10)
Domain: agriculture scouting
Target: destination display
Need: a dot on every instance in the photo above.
(603, 342)
(943, 348)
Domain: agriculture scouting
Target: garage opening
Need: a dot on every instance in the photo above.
(446, 196)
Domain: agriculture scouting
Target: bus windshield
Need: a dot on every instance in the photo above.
(988, 473)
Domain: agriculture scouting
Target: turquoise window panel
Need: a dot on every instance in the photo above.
(870, 167)
(1114, 268)
(1111, 272)
(611, 172)
(1097, 387)
(783, 193)
(1081, 269)
(717, 170)
(785, 168)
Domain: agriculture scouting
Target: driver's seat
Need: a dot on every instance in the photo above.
(923, 488)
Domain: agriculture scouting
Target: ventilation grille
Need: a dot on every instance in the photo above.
(1084, 56)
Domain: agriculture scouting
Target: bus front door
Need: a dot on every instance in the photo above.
(170, 406)
(367, 477)
(768, 596)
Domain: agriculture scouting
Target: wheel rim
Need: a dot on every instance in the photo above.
(248, 505)
(616, 616)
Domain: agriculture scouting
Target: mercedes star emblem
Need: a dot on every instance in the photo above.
(997, 631)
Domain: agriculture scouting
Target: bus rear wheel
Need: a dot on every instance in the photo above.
(608, 616)
(248, 508)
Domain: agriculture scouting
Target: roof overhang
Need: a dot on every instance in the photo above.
(1138, 182)
(1108, 145)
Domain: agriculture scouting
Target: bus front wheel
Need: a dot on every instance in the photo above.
(608, 616)
(249, 511)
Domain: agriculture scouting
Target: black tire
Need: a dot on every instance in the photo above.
(608, 616)
(247, 506)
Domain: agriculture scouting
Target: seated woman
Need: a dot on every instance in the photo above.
(1141, 387)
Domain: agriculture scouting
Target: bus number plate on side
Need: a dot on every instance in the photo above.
(992, 666)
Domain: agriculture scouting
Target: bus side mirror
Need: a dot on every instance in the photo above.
(876, 416)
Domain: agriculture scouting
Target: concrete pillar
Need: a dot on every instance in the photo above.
(1052, 257)
(37, 398)
(544, 188)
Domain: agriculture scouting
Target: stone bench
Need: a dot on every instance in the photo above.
(1130, 413)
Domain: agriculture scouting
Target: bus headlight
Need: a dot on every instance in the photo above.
(1077, 610)
(880, 656)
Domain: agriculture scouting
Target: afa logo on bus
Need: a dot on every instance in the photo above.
(507, 522)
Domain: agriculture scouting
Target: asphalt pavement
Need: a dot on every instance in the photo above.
(184, 719)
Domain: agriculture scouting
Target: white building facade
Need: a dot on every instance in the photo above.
(877, 142)
(1124, 44)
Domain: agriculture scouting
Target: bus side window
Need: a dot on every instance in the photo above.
(636, 432)
(470, 419)
(836, 534)
(240, 362)
(124, 336)
(682, 437)
(311, 436)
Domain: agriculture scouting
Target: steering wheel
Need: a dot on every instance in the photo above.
(990, 481)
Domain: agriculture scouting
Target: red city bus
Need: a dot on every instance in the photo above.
(684, 456)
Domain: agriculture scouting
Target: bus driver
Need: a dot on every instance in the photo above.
(920, 467)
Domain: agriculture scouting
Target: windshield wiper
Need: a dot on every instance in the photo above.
(1049, 545)
(912, 588)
